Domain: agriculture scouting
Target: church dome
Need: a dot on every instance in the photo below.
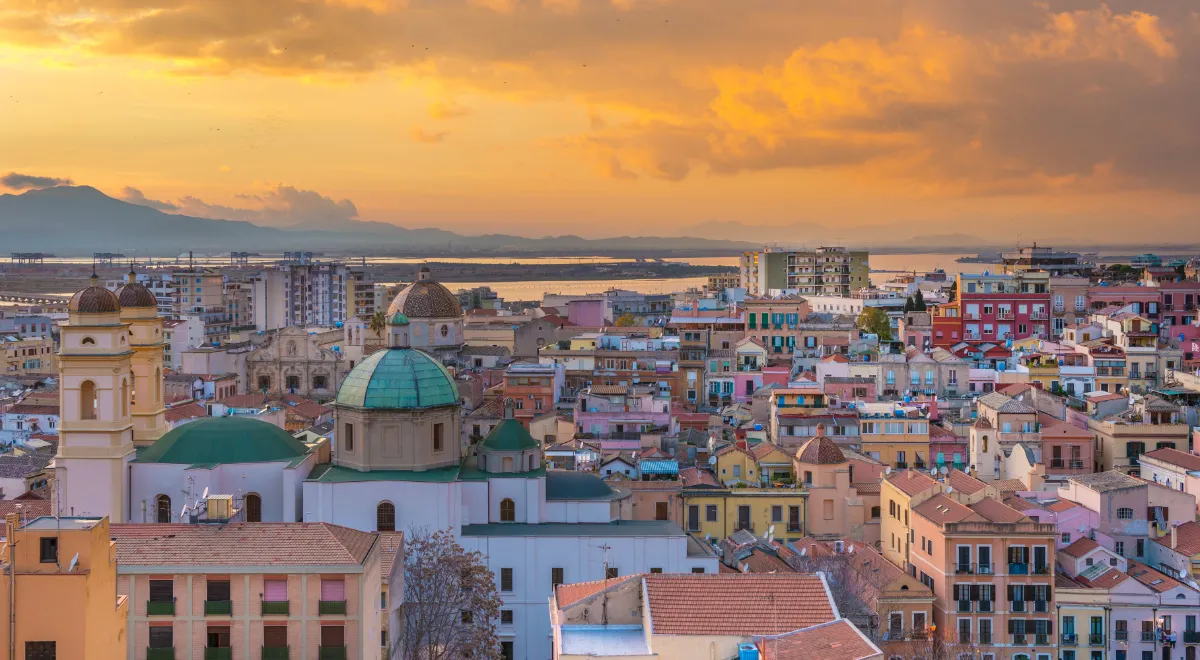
(133, 295)
(224, 440)
(820, 450)
(398, 378)
(94, 300)
(509, 435)
(426, 299)
(398, 319)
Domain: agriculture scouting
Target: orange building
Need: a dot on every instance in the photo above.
(534, 389)
(66, 597)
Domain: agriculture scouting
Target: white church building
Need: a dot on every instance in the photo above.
(398, 463)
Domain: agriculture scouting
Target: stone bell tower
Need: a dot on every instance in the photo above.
(96, 425)
(139, 309)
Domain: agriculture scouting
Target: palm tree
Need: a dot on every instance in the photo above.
(377, 323)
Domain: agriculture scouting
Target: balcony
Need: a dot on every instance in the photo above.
(1018, 569)
(275, 607)
(331, 653)
(278, 653)
(1096, 640)
(218, 653)
(1041, 640)
(218, 608)
(1191, 637)
(985, 606)
(160, 654)
(160, 607)
(331, 607)
(1004, 316)
(963, 606)
(1037, 316)
(1069, 640)
(1020, 640)
(1147, 635)
(985, 638)
(900, 465)
(919, 635)
(1121, 635)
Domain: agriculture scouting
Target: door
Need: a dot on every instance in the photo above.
(660, 510)
(793, 518)
(218, 637)
(743, 517)
(964, 559)
(693, 518)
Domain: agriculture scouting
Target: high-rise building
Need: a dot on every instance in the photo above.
(827, 271)
(310, 294)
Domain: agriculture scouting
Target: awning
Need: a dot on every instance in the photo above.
(659, 467)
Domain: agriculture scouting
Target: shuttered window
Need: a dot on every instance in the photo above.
(162, 637)
(275, 591)
(333, 590)
(275, 637)
(333, 636)
(162, 591)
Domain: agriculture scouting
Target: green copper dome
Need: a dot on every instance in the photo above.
(398, 319)
(224, 440)
(509, 435)
(398, 378)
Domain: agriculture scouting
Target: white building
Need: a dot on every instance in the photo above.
(306, 294)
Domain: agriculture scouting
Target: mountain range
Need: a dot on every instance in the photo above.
(70, 220)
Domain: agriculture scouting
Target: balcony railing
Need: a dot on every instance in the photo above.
(331, 607)
(985, 638)
(1069, 639)
(963, 606)
(985, 606)
(160, 654)
(218, 608)
(1019, 640)
(218, 653)
(160, 607)
(1096, 640)
(1191, 637)
(1041, 640)
(275, 607)
(900, 465)
(964, 638)
(1017, 606)
(1147, 635)
(1018, 568)
(276, 653)
(1121, 635)
(331, 653)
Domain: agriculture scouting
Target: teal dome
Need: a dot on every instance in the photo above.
(509, 435)
(224, 440)
(398, 319)
(398, 378)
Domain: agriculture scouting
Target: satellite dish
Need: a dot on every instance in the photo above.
(183, 512)
(933, 471)
(850, 549)
(205, 495)
(771, 530)
(949, 489)
(942, 470)
(712, 460)
(803, 551)
(887, 470)
(74, 562)
(1082, 528)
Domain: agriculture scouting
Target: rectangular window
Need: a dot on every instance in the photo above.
(437, 436)
(506, 617)
(162, 591)
(612, 573)
(348, 436)
(275, 637)
(218, 590)
(507, 651)
(655, 571)
(40, 651)
(48, 549)
(827, 509)
(506, 579)
(776, 514)
(275, 590)
(693, 518)
(556, 577)
(162, 637)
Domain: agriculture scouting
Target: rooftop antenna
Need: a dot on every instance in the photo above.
(74, 563)
(604, 602)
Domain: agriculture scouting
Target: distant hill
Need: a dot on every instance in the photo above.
(81, 219)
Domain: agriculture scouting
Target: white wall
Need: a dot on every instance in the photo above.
(433, 506)
(278, 487)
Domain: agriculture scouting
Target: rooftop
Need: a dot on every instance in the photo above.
(240, 544)
(1187, 539)
(1102, 482)
(1080, 547)
(961, 481)
(838, 639)
(729, 604)
(910, 482)
(1004, 404)
(625, 528)
(1183, 459)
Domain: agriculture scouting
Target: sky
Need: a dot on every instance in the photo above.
(746, 119)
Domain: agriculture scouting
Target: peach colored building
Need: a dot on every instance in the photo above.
(67, 602)
(991, 569)
(843, 493)
(250, 590)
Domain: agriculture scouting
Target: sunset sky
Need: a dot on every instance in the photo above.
(736, 118)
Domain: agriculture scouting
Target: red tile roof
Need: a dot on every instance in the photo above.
(1106, 580)
(746, 604)
(240, 544)
(33, 409)
(1152, 578)
(186, 411)
(1059, 506)
(763, 562)
(911, 482)
(306, 408)
(251, 400)
(1187, 541)
(939, 431)
(390, 545)
(697, 477)
(1175, 457)
(965, 483)
(566, 594)
(867, 487)
(30, 509)
(940, 510)
(1080, 547)
(820, 450)
(996, 511)
(1009, 485)
(836, 640)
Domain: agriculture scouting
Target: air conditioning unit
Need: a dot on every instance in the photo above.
(220, 507)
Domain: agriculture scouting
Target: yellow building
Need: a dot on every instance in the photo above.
(718, 512)
(899, 492)
(65, 595)
(27, 355)
(148, 408)
(736, 465)
(899, 442)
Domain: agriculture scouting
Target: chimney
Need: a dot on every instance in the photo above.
(1174, 535)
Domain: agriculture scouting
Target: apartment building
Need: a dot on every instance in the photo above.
(1151, 423)
(309, 294)
(991, 569)
(66, 602)
(831, 271)
(533, 388)
(243, 590)
(1129, 511)
(27, 355)
(895, 435)
(1173, 468)
(995, 308)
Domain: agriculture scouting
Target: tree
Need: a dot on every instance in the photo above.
(377, 323)
(919, 301)
(875, 321)
(451, 605)
(909, 305)
(626, 320)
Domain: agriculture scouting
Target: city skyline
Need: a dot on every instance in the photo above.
(617, 118)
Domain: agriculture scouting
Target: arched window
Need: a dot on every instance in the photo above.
(985, 443)
(264, 383)
(385, 517)
(87, 400)
(88, 341)
(508, 510)
(162, 505)
(445, 330)
(253, 508)
(132, 389)
(124, 398)
(531, 459)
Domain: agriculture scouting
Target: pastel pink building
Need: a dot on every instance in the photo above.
(1067, 450)
(618, 414)
(845, 389)
(1067, 516)
(587, 312)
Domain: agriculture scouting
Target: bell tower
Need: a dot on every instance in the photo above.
(139, 308)
(96, 425)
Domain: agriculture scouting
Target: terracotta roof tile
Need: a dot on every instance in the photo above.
(1157, 581)
(609, 390)
(996, 511)
(910, 482)
(820, 450)
(1009, 485)
(33, 409)
(30, 509)
(694, 476)
(965, 483)
(836, 640)
(746, 604)
(1080, 547)
(1187, 539)
(1059, 506)
(391, 544)
(867, 487)
(761, 561)
(1106, 580)
(186, 411)
(240, 544)
(940, 510)
(1175, 457)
